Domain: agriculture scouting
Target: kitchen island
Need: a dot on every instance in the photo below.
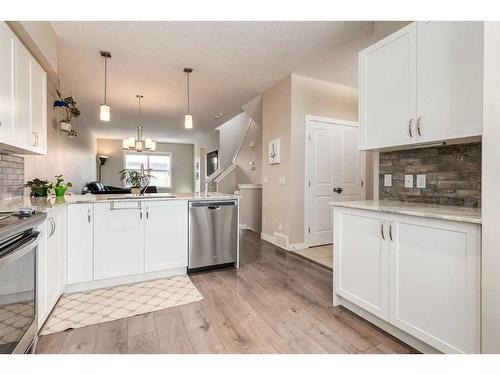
(95, 241)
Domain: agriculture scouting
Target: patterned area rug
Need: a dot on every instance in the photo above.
(103, 305)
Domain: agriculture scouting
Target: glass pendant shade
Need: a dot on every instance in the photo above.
(188, 121)
(150, 144)
(105, 112)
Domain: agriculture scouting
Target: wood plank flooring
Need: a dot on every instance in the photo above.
(277, 302)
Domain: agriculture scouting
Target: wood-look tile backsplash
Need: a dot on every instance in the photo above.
(453, 174)
(11, 176)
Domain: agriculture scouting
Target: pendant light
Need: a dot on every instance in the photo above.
(188, 119)
(138, 144)
(105, 110)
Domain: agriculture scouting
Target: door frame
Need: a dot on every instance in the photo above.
(309, 120)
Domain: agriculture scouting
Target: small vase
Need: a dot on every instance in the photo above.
(60, 191)
(65, 126)
(135, 190)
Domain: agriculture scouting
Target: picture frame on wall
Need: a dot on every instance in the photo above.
(274, 151)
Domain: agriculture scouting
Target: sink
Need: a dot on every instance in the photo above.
(135, 197)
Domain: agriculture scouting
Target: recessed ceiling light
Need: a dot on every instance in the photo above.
(219, 115)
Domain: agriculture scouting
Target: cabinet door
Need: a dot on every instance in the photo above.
(55, 265)
(6, 83)
(450, 80)
(166, 233)
(22, 97)
(41, 276)
(118, 239)
(39, 108)
(434, 282)
(80, 257)
(361, 259)
(387, 91)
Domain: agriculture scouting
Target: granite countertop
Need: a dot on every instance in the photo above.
(436, 211)
(45, 204)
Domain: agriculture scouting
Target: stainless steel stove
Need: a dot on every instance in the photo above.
(18, 289)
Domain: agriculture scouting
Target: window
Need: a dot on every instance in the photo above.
(158, 164)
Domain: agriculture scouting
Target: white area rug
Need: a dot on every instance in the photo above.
(103, 305)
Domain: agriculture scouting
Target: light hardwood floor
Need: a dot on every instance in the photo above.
(277, 302)
(322, 255)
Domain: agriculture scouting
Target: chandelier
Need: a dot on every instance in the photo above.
(138, 144)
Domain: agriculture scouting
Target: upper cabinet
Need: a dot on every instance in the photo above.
(422, 84)
(23, 94)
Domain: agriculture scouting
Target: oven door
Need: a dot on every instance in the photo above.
(18, 321)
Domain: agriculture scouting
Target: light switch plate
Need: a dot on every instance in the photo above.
(265, 179)
(264, 220)
(408, 180)
(282, 180)
(421, 181)
(387, 179)
(280, 227)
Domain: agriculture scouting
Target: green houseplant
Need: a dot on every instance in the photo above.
(133, 178)
(60, 187)
(39, 188)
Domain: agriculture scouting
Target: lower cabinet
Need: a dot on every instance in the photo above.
(166, 234)
(118, 239)
(51, 275)
(80, 263)
(421, 275)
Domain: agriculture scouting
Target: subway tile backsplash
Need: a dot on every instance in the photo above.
(11, 176)
(453, 174)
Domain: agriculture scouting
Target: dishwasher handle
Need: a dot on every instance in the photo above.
(213, 205)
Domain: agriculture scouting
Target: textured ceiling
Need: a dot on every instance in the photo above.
(232, 61)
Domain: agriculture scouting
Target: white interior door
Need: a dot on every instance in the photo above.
(333, 161)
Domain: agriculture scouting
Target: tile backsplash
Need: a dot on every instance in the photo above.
(453, 174)
(11, 176)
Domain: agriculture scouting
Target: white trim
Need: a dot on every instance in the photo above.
(309, 119)
(250, 186)
(290, 247)
(124, 280)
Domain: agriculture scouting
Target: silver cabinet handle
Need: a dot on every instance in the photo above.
(36, 139)
(418, 126)
(390, 232)
(147, 212)
(409, 128)
(140, 213)
(382, 231)
(53, 227)
(88, 215)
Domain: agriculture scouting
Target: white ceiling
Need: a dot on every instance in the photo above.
(233, 62)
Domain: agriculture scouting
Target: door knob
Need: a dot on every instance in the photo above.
(338, 190)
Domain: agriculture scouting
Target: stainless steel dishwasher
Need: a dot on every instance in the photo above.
(213, 234)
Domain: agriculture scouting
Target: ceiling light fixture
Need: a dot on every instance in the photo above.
(188, 119)
(138, 144)
(105, 110)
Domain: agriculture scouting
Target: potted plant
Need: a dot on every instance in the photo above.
(39, 188)
(134, 179)
(70, 112)
(60, 187)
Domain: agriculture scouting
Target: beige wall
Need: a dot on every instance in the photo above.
(182, 163)
(276, 123)
(72, 157)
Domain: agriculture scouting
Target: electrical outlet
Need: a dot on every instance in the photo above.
(421, 181)
(387, 179)
(280, 227)
(282, 180)
(408, 180)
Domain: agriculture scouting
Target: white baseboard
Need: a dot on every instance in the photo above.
(286, 246)
(72, 288)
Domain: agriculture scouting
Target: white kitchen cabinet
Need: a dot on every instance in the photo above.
(435, 282)
(38, 108)
(80, 247)
(422, 84)
(421, 275)
(6, 83)
(449, 80)
(118, 239)
(361, 271)
(387, 92)
(23, 98)
(166, 234)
